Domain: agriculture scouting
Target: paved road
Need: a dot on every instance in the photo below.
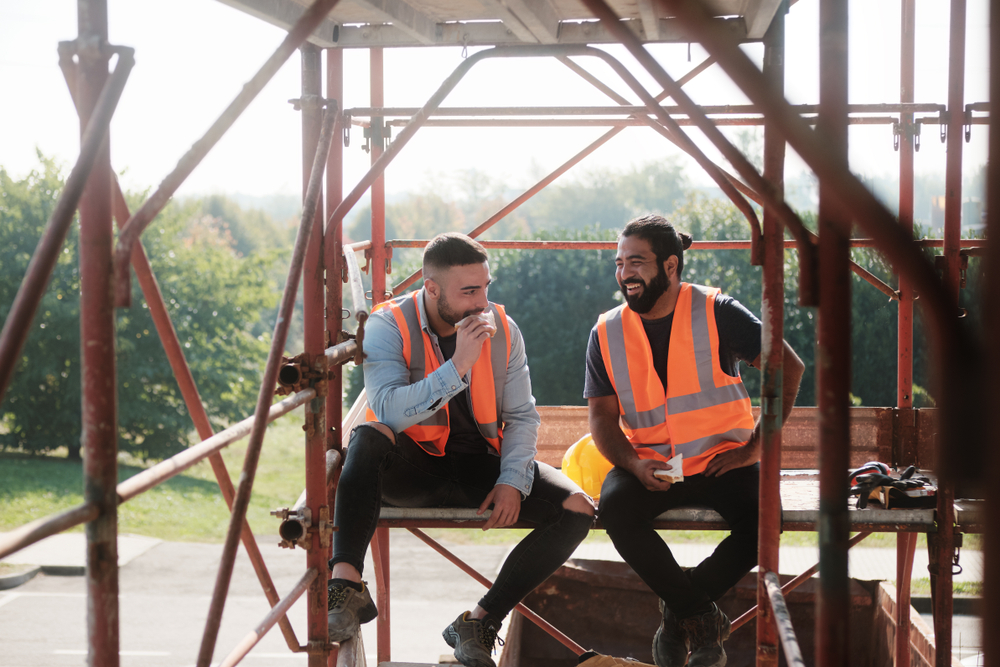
(166, 589)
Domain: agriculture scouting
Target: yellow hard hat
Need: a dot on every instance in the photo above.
(586, 466)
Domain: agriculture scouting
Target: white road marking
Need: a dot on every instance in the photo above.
(9, 597)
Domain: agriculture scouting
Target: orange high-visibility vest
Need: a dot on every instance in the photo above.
(703, 410)
(487, 377)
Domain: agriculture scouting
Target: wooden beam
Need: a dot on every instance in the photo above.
(539, 17)
(758, 15)
(510, 21)
(499, 34)
(284, 14)
(650, 20)
(416, 24)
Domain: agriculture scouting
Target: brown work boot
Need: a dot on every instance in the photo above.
(706, 632)
(473, 639)
(348, 609)
(670, 643)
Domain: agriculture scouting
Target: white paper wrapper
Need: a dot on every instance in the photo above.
(486, 316)
(676, 473)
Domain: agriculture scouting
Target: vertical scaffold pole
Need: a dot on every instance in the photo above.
(333, 262)
(97, 343)
(378, 128)
(333, 252)
(905, 542)
(991, 312)
(833, 352)
(907, 56)
(313, 305)
(943, 541)
(772, 352)
(380, 545)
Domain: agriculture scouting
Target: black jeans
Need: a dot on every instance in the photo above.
(627, 510)
(404, 475)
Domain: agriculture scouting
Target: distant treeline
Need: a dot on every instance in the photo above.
(221, 267)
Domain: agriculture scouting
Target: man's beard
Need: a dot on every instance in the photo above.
(651, 292)
(452, 317)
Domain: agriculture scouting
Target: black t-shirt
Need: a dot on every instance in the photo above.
(739, 339)
(463, 435)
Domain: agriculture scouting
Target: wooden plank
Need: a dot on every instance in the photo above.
(496, 33)
(414, 23)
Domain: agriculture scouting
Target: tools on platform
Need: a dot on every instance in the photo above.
(877, 481)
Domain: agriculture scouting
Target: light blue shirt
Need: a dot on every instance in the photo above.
(399, 404)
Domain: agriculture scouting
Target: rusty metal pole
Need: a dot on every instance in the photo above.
(97, 342)
(833, 349)
(380, 544)
(905, 542)
(332, 251)
(904, 380)
(772, 352)
(178, 364)
(943, 541)
(313, 306)
(905, 546)
(264, 397)
(991, 313)
(132, 230)
(378, 130)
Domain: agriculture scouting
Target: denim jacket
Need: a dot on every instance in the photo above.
(399, 404)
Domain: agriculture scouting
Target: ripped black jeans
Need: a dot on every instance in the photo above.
(376, 471)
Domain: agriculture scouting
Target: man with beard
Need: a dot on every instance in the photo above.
(452, 422)
(663, 381)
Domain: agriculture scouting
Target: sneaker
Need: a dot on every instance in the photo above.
(706, 632)
(348, 609)
(473, 639)
(670, 643)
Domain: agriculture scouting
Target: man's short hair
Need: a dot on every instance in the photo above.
(663, 238)
(452, 249)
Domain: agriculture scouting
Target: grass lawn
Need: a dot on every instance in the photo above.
(190, 508)
(186, 508)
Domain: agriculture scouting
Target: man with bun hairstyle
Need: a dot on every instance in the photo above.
(662, 382)
(452, 422)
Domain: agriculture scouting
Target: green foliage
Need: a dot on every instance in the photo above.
(606, 199)
(41, 408)
(555, 296)
(248, 231)
(188, 507)
(216, 300)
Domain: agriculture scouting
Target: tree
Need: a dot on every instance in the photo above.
(606, 199)
(216, 299)
(555, 296)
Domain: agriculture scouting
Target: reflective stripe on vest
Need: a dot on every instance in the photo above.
(487, 376)
(703, 410)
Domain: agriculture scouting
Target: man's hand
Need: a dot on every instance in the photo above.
(643, 469)
(506, 501)
(469, 344)
(731, 459)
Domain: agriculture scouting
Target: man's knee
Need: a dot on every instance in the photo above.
(369, 444)
(580, 503)
(619, 509)
(381, 428)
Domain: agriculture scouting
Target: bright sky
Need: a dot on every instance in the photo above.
(193, 56)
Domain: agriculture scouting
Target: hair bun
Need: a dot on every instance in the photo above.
(685, 240)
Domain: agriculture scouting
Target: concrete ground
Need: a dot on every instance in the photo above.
(166, 589)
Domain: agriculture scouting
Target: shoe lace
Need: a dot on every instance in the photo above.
(336, 595)
(488, 636)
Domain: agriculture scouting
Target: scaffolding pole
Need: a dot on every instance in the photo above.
(772, 354)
